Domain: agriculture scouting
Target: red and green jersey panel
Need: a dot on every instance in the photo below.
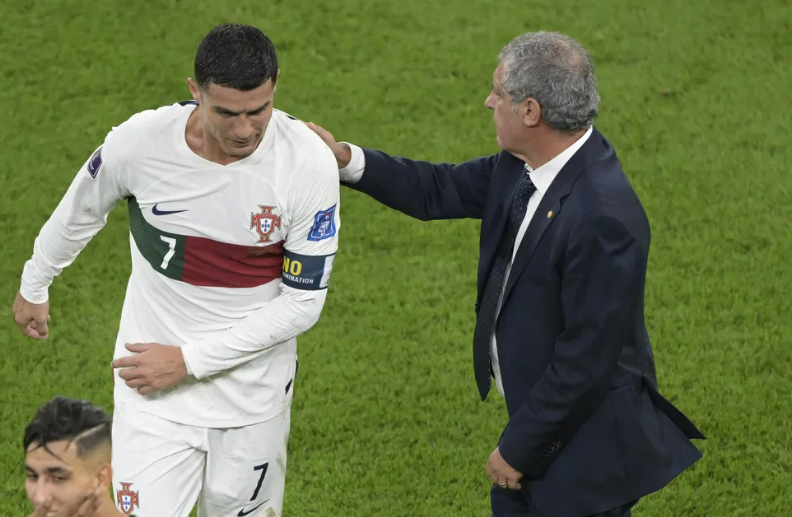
(201, 261)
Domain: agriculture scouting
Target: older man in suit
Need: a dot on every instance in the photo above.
(560, 306)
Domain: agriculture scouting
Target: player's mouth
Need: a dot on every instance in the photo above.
(241, 143)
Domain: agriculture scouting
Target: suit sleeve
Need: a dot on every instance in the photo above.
(602, 285)
(81, 213)
(424, 190)
(311, 245)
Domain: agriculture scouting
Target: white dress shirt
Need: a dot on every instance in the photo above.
(541, 177)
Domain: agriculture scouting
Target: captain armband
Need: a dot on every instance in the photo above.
(307, 272)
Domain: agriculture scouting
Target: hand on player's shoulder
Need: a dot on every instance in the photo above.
(341, 152)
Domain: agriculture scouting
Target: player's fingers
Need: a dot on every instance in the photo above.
(21, 319)
(89, 506)
(41, 326)
(147, 390)
(78, 508)
(30, 331)
(24, 323)
(136, 383)
(137, 347)
(125, 362)
(129, 374)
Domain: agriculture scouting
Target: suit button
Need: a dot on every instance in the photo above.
(552, 448)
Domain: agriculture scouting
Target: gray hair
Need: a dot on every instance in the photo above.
(557, 72)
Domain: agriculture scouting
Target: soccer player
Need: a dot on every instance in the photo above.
(67, 460)
(234, 223)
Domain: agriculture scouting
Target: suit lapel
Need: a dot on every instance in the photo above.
(550, 206)
(504, 180)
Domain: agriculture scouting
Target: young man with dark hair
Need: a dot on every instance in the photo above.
(234, 218)
(67, 460)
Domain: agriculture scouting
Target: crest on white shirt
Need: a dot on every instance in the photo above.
(264, 223)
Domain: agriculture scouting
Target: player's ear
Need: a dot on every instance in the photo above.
(194, 90)
(104, 477)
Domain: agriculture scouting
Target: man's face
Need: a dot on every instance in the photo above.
(61, 477)
(509, 124)
(236, 119)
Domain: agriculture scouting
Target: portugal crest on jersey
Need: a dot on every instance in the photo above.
(264, 223)
(127, 499)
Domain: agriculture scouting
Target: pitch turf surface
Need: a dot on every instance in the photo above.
(387, 422)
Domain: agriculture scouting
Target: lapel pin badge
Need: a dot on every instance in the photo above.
(549, 214)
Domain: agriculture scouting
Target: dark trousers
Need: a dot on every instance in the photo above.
(512, 503)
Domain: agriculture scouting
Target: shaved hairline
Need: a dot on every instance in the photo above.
(88, 443)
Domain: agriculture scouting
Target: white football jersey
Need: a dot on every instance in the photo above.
(229, 262)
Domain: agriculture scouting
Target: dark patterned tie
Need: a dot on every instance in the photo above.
(488, 311)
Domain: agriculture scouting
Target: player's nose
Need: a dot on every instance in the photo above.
(245, 130)
(41, 495)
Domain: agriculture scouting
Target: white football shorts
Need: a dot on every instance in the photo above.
(161, 468)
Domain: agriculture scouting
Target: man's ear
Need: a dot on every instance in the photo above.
(104, 478)
(194, 89)
(531, 112)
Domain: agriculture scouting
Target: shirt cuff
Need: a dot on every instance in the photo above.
(188, 357)
(354, 169)
(32, 288)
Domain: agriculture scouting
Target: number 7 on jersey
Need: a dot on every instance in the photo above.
(169, 255)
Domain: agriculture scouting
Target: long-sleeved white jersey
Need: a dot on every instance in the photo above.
(229, 262)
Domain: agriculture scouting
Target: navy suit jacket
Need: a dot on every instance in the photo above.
(587, 425)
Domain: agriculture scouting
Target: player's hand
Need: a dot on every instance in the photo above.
(501, 473)
(84, 506)
(31, 318)
(155, 367)
(341, 151)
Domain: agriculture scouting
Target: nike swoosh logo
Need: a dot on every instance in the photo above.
(242, 512)
(156, 211)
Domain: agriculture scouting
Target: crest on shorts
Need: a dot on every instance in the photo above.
(264, 223)
(127, 499)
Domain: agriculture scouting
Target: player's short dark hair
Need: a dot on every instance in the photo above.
(235, 56)
(68, 419)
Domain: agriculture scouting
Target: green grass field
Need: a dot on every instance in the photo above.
(387, 421)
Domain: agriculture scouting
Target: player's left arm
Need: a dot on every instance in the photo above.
(310, 248)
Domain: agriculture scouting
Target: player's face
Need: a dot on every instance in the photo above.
(60, 479)
(237, 119)
(509, 124)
